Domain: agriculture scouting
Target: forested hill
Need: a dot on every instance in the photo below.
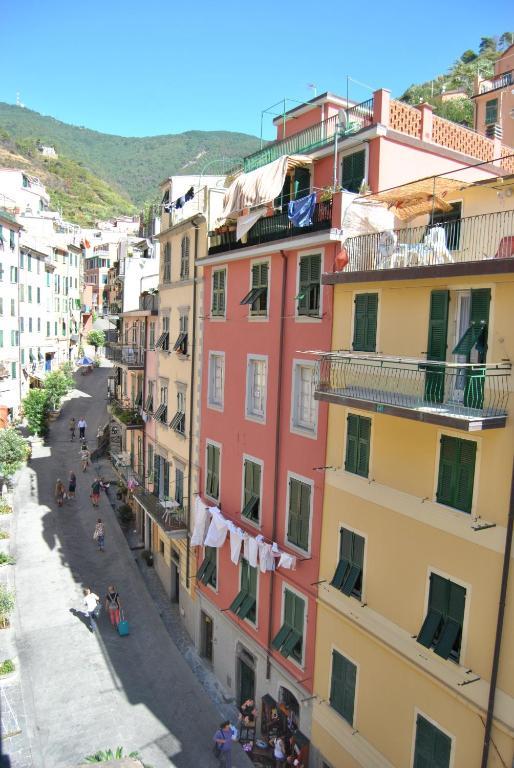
(460, 76)
(133, 166)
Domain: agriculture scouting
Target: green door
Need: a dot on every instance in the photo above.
(436, 348)
(246, 682)
(479, 318)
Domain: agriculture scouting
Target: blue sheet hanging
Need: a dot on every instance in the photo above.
(301, 211)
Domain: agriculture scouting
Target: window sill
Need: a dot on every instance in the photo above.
(255, 419)
(258, 318)
(308, 319)
(254, 523)
(215, 501)
(312, 434)
(217, 318)
(304, 553)
(215, 407)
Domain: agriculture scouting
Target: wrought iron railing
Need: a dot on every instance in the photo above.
(314, 137)
(170, 519)
(500, 81)
(133, 357)
(126, 412)
(474, 238)
(271, 228)
(467, 390)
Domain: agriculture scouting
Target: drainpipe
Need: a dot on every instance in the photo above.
(499, 627)
(278, 413)
(191, 405)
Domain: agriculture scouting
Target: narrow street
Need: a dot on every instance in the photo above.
(84, 692)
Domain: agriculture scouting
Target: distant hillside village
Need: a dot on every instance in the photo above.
(310, 416)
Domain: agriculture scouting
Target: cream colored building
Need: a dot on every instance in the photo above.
(418, 495)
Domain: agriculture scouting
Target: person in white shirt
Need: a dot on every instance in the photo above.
(91, 602)
(81, 424)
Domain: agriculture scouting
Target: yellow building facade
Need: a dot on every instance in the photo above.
(417, 499)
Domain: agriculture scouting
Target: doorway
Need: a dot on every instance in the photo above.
(206, 635)
(175, 583)
(246, 680)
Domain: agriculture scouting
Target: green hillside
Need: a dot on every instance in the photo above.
(81, 196)
(460, 76)
(134, 166)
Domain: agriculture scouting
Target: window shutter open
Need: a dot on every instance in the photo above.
(364, 426)
(465, 476)
(438, 325)
(305, 510)
(302, 182)
(294, 507)
(447, 470)
(288, 608)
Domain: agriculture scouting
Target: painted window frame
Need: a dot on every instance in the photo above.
(260, 464)
(214, 357)
(217, 313)
(296, 426)
(250, 413)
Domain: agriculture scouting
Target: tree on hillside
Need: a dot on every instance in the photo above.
(487, 44)
(13, 451)
(505, 40)
(96, 339)
(468, 56)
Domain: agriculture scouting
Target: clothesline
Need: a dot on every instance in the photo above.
(263, 205)
(258, 551)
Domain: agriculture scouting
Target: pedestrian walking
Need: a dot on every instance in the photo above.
(113, 605)
(99, 534)
(72, 484)
(84, 457)
(279, 752)
(59, 492)
(73, 424)
(223, 744)
(92, 607)
(82, 427)
(95, 491)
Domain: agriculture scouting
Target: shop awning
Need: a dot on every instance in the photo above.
(261, 186)
(423, 196)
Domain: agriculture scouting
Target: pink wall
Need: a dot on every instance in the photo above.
(299, 122)
(237, 337)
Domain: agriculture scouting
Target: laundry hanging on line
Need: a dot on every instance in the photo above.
(179, 202)
(300, 212)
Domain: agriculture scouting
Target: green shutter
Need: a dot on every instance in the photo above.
(432, 748)
(342, 687)
(363, 446)
(352, 443)
(436, 345)
(309, 285)
(298, 614)
(448, 458)
(280, 637)
(354, 166)
(305, 511)
(288, 608)
(216, 471)
(302, 182)
(465, 476)
(365, 322)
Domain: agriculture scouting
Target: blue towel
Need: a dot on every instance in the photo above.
(300, 211)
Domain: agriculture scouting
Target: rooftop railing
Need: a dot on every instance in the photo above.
(471, 392)
(314, 137)
(474, 238)
(269, 228)
(131, 356)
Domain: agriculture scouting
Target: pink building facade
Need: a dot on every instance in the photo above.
(262, 442)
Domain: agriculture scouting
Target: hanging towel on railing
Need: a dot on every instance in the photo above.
(200, 523)
(301, 211)
(218, 529)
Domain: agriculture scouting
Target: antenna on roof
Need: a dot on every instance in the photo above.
(314, 89)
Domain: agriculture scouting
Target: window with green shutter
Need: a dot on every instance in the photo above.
(289, 638)
(245, 603)
(436, 345)
(257, 297)
(353, 171)
(252, 490)
(491, 111)
(456, 473)
(302, 182)
(475, 339)
(432, 747)
(342, 686)
(299, 513)
(218, 292)
(207, 573)
(358, 439)
(212, 481)
(442, 627)
(365, 322)
(348, 574)
(309, 285)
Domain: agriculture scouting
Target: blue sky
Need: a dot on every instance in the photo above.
(153, 67)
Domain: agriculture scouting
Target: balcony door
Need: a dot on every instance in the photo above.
(461, 326)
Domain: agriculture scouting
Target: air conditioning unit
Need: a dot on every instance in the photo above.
(493, 131)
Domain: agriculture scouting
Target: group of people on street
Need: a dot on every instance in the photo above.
(92, 606)
(81, 424)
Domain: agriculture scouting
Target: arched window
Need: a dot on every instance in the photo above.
(184, 258)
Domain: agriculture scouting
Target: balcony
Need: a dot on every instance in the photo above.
(313, 138)
(269, 228)
(172, 521)
(468, 396)
(121, 354)
(459, 246)
(126, 413)
(494, 83)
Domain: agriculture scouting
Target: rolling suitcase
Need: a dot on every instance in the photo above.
(123, 627)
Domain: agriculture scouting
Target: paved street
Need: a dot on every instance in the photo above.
(83, 692)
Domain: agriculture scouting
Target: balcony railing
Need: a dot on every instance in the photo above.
(313, 138)
(132, 357)
(271, 228)
(500, 81)
(475, 238)
(127, 413)
(172, 520)
(468, 396)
